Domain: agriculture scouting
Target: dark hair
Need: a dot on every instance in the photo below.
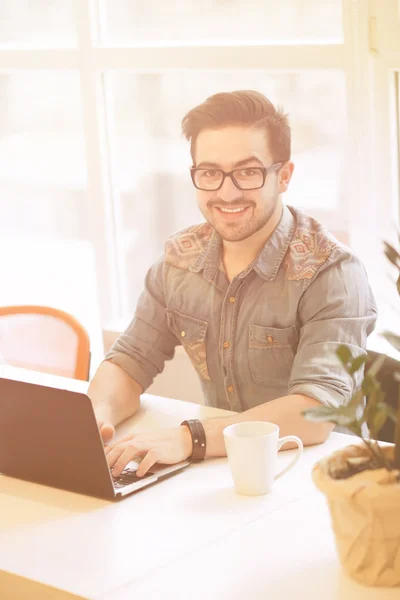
(243, 107)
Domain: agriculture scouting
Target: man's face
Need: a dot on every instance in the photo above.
(229, 148)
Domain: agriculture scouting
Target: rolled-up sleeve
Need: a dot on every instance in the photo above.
(337, 308)
(141, 351)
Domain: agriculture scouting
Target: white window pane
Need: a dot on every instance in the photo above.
(152, 159)
(286, 21)
(37, 23)
(44, 226)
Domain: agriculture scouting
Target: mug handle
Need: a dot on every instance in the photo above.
(284, 440)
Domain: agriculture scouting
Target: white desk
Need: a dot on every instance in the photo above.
(190, 536)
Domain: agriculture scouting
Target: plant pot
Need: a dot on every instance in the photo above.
(365, 515)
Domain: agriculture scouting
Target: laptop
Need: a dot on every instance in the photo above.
(49, 435)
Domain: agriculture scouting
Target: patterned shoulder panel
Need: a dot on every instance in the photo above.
(310, 248)
(185, 247)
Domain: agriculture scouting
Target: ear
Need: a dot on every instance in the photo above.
(284, 176)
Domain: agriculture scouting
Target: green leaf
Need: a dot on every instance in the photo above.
(357, 398)
(343, 415)
(369, 413)
(377, 415)
(393, 339)
(357, 363)
(344, 354)
(371, 409)
(355, 428)
(318, 414)
(376, 365)
(368, 384)
(379, 418)
(392, 254)
(375, 397)
(371, 403)
(378, 423)
(347, 417)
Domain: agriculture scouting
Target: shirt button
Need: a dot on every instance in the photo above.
(232, 299)
(270, 339)
(230, 388)
(183, 333)
(226, 344)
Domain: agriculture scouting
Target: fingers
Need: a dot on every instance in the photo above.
(107, 432)
(124, 458)
(126, 438)
(121, 441)
(113, 453)
(120, 455)
(149, 461)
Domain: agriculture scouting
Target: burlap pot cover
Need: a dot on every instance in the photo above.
(365, 514)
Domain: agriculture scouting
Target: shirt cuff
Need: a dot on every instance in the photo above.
(131, 368)
(324, 395)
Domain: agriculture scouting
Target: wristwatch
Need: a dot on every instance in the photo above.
(198, 439)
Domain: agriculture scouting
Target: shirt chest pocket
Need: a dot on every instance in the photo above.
(191, 333)
(271, 354)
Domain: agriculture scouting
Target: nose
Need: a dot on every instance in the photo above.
(229, 191)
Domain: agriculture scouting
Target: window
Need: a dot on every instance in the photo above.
(37, 23)
(240, 21)
(94, 172)
(47, 255)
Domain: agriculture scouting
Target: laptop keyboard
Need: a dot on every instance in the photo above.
(127, 477)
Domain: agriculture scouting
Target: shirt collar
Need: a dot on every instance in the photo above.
(268, 261)
(271, 256)
(209, 258)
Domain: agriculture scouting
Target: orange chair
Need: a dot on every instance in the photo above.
(44, 339)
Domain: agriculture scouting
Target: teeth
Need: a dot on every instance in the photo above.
(231, 210)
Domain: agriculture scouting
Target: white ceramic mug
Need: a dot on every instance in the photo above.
(252, 449)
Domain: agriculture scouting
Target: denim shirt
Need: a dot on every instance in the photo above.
(272, 331)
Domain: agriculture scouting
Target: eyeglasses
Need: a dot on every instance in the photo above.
(248, 178)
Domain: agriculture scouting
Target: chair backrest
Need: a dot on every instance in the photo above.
(44, 339)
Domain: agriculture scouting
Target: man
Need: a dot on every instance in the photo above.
(260, 296)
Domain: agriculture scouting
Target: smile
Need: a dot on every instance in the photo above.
(232, 210)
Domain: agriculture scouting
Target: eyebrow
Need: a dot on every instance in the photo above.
(240, 163)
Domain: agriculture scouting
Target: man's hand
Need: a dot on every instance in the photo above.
(167, 446)
(107, 431)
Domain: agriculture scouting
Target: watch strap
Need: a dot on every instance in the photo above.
(198, 439)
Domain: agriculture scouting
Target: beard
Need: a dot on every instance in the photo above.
(243, 228)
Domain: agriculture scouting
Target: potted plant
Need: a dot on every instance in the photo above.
(362, 481)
